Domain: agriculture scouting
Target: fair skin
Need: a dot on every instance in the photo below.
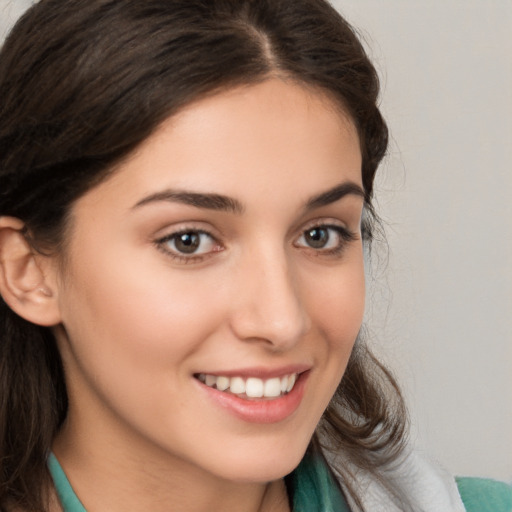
(164, 289)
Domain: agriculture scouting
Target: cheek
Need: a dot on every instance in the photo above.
(338, 314)
(338, 307)
(131, 338)
(137, 316)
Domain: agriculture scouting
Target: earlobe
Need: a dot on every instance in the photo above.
(24, 285)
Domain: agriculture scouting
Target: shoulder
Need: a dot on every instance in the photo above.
(485, 495)
(414, 483)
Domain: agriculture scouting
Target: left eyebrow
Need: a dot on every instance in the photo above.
(334, 194)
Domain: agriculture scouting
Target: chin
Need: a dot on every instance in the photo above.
(262, 465)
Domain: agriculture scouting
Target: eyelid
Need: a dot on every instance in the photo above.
(323, 221)
(343, 231)
(330, 222)
(345, 234)
(172, 233)
(201, 225)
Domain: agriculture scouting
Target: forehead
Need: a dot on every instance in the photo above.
(273, 138)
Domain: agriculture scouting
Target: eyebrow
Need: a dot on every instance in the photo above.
(219, 202)
(199, 200)
(334, 194)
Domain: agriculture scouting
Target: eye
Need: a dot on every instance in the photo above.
(189, 244)
(326, 238)
(318, 238)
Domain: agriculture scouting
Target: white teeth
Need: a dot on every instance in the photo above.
(272, 387)
(237, 385)
(252, 387)
(222, 383)
(291, 382)
(210, 380)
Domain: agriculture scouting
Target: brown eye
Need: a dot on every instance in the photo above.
(187, 242)
(317, 238)
(326, 239)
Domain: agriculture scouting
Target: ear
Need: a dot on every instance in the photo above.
(25, 276)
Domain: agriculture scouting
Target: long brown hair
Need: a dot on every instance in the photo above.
(82, 84)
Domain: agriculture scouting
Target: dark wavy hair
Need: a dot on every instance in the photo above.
(82, 84)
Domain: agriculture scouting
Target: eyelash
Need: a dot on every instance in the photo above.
(345, 237)
(192, 257)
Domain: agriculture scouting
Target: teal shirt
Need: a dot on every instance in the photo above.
(314, 490)
(485, 495)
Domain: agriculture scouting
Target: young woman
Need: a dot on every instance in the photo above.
(185, 202)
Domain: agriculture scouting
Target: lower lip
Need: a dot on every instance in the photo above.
(260, 410)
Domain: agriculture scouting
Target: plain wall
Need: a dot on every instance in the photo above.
(442, 313)
(444, 318)
(10, 10)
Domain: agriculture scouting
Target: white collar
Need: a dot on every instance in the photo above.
(427, 486)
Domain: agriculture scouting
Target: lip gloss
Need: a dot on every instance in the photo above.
(260, 410)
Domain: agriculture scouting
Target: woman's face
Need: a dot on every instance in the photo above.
(222, 261)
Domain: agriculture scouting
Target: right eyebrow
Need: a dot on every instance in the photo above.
(198, 199)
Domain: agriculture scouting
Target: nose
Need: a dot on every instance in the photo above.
(268, 305)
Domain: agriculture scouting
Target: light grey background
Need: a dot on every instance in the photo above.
(441, 315)
(445, 193)
(10, 10)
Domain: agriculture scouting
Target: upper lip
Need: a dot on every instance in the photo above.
(260, 371)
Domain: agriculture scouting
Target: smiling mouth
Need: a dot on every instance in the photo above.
(250, 387)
